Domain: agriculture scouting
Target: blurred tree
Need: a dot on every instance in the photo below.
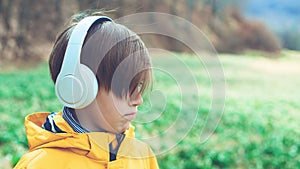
(22, 36)
(173, 10)
(291, 38)
(28, 24)
(218, 6)
(25, 24)
(58, 12)
(190, 11)
(87, 4)
(5, 11)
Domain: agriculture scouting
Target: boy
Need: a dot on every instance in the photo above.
(101, 92)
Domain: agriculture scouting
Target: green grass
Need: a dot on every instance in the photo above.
(22, 93)
(259, 127)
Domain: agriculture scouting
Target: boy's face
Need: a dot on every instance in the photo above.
(117, 113)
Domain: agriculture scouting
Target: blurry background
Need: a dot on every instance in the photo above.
(257, 42)
(28, 27)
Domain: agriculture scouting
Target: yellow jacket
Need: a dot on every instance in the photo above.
(80, 150)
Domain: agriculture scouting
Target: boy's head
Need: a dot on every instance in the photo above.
(116, 55)
(122, 66)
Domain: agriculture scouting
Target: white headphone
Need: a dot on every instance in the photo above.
(76, 85)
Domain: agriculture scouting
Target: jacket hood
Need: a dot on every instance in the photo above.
(88, 144)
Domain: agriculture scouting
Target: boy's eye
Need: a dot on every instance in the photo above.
(140, 85)
(137, 89)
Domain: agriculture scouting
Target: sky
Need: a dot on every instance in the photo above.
(279, 15)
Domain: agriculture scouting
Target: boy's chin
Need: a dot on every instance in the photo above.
(124, 127)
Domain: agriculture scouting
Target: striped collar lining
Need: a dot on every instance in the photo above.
(68, 116)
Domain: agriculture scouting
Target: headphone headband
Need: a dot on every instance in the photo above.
(75, 43)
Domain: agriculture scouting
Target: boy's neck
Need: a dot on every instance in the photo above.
(92, 119)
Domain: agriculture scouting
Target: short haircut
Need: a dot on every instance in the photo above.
(115, 54)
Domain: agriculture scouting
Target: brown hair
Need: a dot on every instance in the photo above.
(115, 54)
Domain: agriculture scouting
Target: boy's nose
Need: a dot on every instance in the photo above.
(136, 99)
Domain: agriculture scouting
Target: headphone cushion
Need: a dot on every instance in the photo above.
(90, 88)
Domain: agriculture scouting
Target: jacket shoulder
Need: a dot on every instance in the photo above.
(49, 158)
(28, 159)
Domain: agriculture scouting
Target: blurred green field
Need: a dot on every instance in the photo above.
(259, 128)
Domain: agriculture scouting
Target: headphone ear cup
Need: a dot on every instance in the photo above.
(90, 88)
(69, 90)
(77, 90)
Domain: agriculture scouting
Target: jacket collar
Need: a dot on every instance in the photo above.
(95, 145)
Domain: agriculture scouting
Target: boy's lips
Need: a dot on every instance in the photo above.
(130, 116)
